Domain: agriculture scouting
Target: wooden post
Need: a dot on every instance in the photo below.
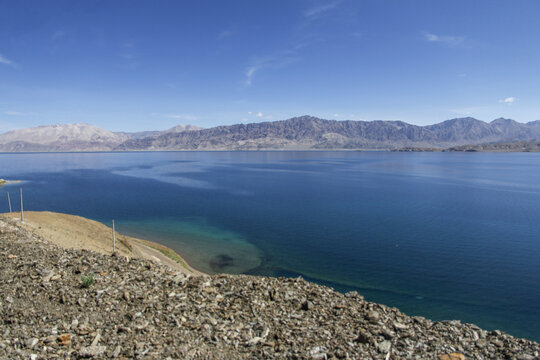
(22, 210)
(113, 238)
(9, 202)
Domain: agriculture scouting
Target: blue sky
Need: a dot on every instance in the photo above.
(141, 65)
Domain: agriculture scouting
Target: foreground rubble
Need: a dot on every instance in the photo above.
(137, 309)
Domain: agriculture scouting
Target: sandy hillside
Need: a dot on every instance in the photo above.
(75, 232)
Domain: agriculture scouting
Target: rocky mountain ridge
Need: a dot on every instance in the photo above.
(300, 133)
(68, 137)
(57, 303)
(311, 133)
(73, 137)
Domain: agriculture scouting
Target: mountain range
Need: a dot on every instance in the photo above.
(74, 137)
(299, 133)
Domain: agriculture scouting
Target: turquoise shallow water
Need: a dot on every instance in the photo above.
(447, 236)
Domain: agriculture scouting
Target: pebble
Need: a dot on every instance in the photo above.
(92, 351)
(373, 316)
(30, 343)
(384, 346)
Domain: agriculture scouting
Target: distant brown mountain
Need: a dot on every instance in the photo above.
(300, 133)
(72, 137)
(69, 137)
(308, 133)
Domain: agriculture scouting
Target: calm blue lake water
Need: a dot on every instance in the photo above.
(442, 235)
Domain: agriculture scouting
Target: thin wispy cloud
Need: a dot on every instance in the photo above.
(320, 9)
(444, 39)
(127, 54)
(58, 35)
(17, 113)
(508, 100)
(290, 55)
(225, 34)
(5, 61)
(250, 73)
(13, 113)
(184, 117)
(258, 114)
(279, 60)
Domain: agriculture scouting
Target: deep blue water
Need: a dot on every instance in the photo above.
(442, 235)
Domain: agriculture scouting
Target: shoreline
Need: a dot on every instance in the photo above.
(8, 182)
(75, 232)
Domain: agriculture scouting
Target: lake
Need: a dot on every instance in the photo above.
(441, 235)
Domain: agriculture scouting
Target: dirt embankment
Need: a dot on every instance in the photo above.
(75, 232)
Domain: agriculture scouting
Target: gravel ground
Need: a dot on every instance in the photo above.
(138, 309)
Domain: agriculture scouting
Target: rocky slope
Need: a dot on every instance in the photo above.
(69, 137)
(145, 134)
(73, 137)
(136, 309)
(308, 132)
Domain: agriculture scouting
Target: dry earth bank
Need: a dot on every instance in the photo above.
(75, 232)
